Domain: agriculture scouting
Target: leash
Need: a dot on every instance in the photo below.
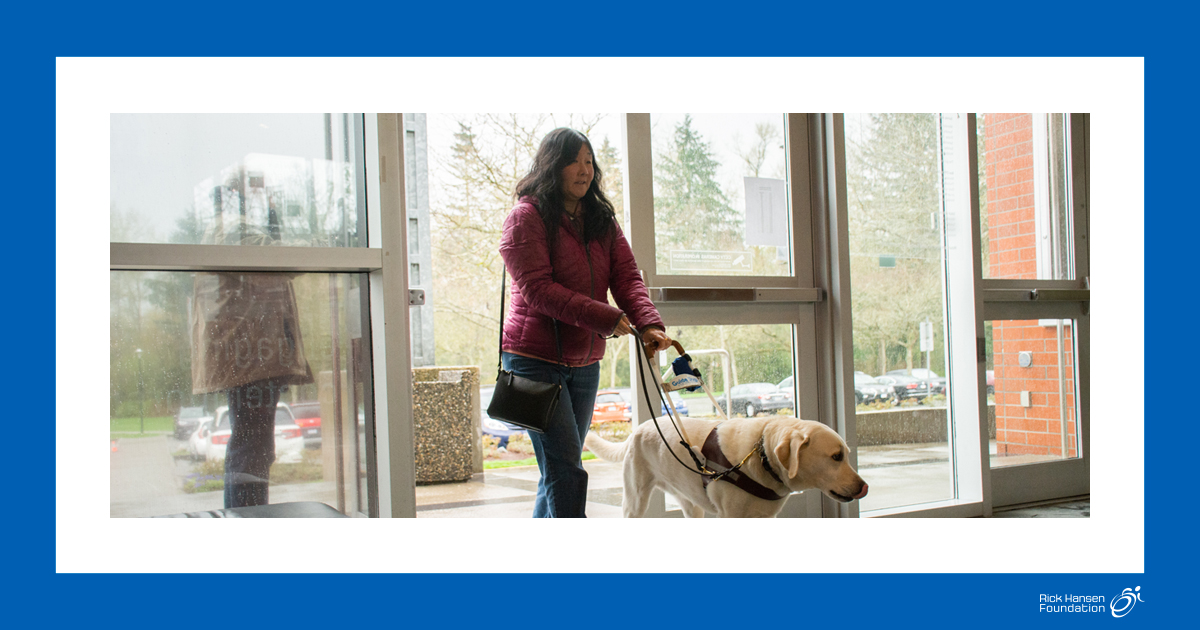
(711, 449)
(700, 469)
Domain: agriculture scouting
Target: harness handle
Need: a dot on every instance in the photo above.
(645, 346)
(700, 469)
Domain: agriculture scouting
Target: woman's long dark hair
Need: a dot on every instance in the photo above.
(544, 182)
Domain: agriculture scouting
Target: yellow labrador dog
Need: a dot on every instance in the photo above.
(794, 455)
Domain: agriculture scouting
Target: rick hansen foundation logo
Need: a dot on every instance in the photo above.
(1120, 605)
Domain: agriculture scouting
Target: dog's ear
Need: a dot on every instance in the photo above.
(788, 451)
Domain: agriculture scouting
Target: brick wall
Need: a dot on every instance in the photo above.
(1035, 429)
(1008, 157)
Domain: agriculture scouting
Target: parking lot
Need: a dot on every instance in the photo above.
(147, 476)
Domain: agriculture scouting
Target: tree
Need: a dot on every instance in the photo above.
(766, 136)
(691, 211)
(609, 160)
(471, 194)
(893, 200)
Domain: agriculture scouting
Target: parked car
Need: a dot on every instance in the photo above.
(681, 408)
(610, 407)
(751, 398)
(498, 429)
(867, 389)
(289, 439)
(788, 386)
(991, 382)
(308, 418)
(905, 387)
(937, 384)
(187, 419)
(198, 440)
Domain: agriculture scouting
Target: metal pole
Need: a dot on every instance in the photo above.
(1062, 391)
(339, 458)
(141, 396)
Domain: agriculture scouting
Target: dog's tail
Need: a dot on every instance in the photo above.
(608, 451)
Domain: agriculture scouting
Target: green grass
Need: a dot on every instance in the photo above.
(131, 427)
(532, 461)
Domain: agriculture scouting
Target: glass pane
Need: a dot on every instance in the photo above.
(186, 347)
(898, 306)
(237, 179)
(721, 203)
(462, 172)
(1024, 196)
(1031, 391)
(748, 369)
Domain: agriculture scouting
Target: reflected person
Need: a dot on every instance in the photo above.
(246, 343)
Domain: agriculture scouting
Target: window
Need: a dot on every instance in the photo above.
(237, 179)
(720, 195)
(1031, 391)
(1024, 196)
(195, 323)
(162, 376)
(745, 308)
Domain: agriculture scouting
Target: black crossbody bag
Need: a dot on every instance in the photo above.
(516, 399)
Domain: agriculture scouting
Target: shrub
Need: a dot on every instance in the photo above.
(614, 431)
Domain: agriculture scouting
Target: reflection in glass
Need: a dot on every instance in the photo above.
(720, 195)
(1031, 391)
(170, 384)
(1024, 196)
(237, 179)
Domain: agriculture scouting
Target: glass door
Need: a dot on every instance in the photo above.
(968, 249)
(1033, 220)
(897, 167)
(720, 223)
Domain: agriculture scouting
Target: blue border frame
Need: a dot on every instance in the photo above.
(800, 599)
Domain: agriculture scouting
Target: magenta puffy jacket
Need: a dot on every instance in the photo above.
(574, 290)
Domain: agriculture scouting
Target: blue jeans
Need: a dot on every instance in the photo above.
(562, 488)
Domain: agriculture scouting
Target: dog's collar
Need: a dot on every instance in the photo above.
(722, 468)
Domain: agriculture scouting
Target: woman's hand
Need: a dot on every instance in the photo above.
(654, 340)
(623, 327)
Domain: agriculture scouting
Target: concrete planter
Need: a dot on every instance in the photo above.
(908, 425)
(446, 418)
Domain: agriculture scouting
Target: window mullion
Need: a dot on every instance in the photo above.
(181, 257)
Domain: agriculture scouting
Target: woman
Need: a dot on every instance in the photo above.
(565, 252)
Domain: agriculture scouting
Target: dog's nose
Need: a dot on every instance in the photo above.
(863, 493)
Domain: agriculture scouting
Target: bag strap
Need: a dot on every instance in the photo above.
(500, 344)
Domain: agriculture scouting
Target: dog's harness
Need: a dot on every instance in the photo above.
(716, 465)
(720, 467)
